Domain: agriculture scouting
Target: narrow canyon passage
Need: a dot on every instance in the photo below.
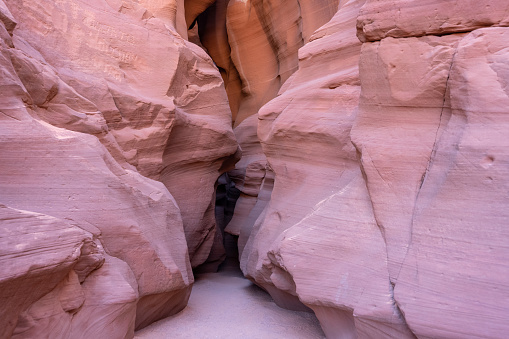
(361, 147)
(227, 305)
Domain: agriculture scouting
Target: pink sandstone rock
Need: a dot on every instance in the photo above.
(254, 219)
(453, 281)
(108, 296)
(379, 19)
(275, 30)
(248, 174)
(403, 97)
(96, 101)
(377, 198)
(81, 183)
(255, 44)
(401, 235)
(36, 253)
(213, 36)
(145, 101)
(309, 248)
(425, 116)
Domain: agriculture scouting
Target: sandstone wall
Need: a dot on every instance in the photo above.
(255, 45)
(373, 182)
(444, 249)
(388, 216)
(100, 102)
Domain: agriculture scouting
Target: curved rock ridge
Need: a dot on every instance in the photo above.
(389, 208)
(105, 110)
(301, 251)
(255, 45)
(373, 179)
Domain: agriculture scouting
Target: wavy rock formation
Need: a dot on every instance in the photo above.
(101, 102)
(373, 178)
(308, 249)
(255, 45)
(388, 212)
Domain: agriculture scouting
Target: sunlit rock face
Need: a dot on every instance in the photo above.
(255, 46)
(388, 216)
(114, 129)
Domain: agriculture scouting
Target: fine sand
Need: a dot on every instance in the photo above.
(228, 306)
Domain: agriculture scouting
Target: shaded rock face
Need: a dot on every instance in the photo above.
(388, 213)
(373, 179)
(113, 131)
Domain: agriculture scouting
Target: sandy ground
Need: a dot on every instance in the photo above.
(228, 306)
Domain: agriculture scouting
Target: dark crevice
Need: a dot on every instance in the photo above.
(226, 198)
(193, 24)
(224, 251)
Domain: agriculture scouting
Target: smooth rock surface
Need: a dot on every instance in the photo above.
(402, 101)
(385, 156)
(453, 271)
(99, 98)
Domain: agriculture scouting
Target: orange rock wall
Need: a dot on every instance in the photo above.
(255, 46)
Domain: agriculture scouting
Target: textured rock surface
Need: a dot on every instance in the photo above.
(99, 98)
(404, 81)
(29, 270)
(453, 270)
(81, 183)
(379, 19)
(388, 215)
(146, 100)
(302, 242)
(373, 184)
(255, 44)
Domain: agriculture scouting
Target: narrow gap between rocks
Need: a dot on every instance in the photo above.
(225, 304)
(226, 198)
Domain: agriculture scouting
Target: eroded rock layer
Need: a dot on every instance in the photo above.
(373, 179)
(388, 216)
(255, 45)
(113, 131)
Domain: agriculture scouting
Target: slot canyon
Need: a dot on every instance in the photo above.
(343, 164)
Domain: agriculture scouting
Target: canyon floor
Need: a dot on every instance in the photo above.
(227, 305)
